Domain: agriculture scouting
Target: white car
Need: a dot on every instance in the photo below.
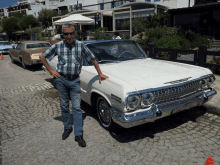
(139, 89)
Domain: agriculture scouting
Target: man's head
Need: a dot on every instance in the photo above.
(69, 33)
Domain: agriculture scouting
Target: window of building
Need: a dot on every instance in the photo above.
(112, 5)
(156, 0)
(101, 6)
(147, 0)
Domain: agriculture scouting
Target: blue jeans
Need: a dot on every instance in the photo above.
(70, 89)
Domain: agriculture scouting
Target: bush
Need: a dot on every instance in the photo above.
(100, 34)
(215, 60)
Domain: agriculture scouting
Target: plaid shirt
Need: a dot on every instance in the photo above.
(70, 59)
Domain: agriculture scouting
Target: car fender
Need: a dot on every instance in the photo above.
(101, 94)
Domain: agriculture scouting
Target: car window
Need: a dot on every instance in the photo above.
(37, 45)
(117, 50)
(19, 46)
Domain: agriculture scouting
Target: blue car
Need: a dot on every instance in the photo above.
(5, 46)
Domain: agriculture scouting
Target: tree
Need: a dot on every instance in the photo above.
(45, 17)
(10, 25)
(28, 20)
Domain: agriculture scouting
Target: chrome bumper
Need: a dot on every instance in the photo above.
(36, 62)
(155, 112)
(4, 51)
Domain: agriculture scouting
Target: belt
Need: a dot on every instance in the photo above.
(69, 77)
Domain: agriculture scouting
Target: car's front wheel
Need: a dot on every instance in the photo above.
(12, 60)
(104, 114)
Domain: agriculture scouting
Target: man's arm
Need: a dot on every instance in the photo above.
(45, 63)
(96, 65)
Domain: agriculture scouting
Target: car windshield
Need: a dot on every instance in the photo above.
(114, 51)
(37, 45)
(5, 43)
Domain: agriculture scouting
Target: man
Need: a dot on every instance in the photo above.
(70, 53)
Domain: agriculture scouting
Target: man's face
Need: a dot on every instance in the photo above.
(69, 34)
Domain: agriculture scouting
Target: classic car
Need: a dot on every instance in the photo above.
(5, 46)
(27, 52)
(139, 89)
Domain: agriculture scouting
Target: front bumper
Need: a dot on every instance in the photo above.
(4, 51)
(142, 116)
(37, 61)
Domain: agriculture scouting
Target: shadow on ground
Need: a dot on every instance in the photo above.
(32, 68)
(124, 135)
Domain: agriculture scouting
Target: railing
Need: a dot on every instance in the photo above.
(200, 55)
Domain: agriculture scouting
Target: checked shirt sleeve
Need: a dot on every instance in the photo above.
(50, 53)
(87, 54)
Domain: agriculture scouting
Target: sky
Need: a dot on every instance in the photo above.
(5, 3)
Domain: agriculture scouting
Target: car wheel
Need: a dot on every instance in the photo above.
(12, 60)
(104, 114)
(23, 64)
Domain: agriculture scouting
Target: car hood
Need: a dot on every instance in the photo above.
(151, 73)
(6, 47)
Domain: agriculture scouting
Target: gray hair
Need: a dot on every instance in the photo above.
(67, 26)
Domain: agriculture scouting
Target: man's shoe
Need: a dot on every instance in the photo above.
(80, 141)
(66, 133)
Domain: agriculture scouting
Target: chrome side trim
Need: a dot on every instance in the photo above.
(116, 98)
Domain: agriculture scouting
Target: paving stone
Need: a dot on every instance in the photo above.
(30, 133)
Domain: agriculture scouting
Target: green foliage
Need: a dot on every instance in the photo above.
(10, 25)
(139, 24)
(45, 17)
(173, 38)
(28, 20)
(81, 35)
(100, 34)
(215, 60)
(18, 15)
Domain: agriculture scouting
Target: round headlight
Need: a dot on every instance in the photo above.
(210, 80)
(133, 102)
(147, 99)
(202, 84)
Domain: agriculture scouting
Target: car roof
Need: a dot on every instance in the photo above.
(102, 41)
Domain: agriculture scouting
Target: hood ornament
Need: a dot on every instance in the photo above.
(178, 81)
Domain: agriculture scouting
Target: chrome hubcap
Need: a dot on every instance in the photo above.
(104, 112)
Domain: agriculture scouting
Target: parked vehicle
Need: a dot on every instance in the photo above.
(5, 46)
(27, 52)
(139, 89)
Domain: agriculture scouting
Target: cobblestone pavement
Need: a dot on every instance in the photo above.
(31, 129)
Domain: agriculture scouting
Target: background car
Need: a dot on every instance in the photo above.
(5, 46)
(139, 89)
(27, 52)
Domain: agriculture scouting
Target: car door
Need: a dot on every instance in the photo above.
(15, 52)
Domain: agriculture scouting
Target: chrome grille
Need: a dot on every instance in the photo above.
(174, 93)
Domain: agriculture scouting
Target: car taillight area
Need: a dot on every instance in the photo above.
(35, 56)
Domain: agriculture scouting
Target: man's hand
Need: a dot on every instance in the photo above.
(102, 76)
(55, 73)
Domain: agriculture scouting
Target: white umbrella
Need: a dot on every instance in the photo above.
(75, 19)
